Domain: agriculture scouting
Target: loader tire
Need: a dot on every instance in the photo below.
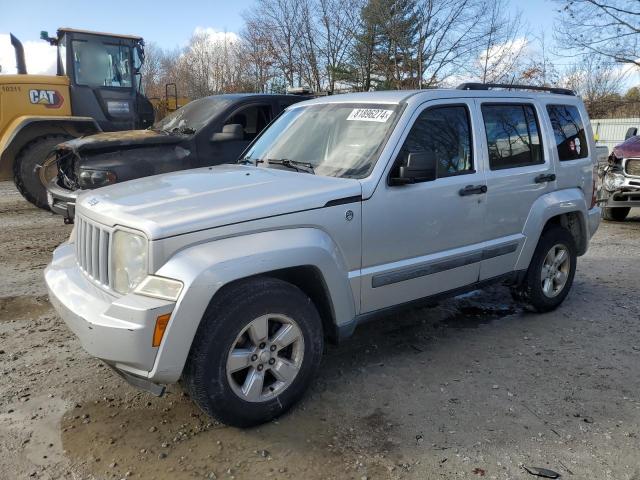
(25, 168)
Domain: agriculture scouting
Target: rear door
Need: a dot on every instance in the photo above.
(520, 170)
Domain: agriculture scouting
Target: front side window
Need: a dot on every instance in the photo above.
(513, 136)
(253, 119)
(446, 133)
(100, 64)
(333, 139)
(568, 131)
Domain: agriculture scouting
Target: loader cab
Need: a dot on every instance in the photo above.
(104, 77)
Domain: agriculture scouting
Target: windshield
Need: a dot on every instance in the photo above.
(193, 116)
(337, 140)
(98, 64)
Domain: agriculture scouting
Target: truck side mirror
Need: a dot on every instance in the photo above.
(233, 131)
(417, 167)
(631, 132)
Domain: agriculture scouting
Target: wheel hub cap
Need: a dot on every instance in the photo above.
(265, 357)
(555, 270)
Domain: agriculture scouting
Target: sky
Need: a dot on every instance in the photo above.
(162, 22)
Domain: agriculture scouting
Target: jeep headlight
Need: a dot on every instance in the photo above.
(129, 260)
(613, 181)
(89, 178)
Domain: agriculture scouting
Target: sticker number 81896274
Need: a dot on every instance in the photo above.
(370, 114)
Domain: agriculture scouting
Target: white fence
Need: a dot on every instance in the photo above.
(610, 132)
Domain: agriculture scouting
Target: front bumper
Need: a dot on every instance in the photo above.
(61, 200)
(118, 330)
(621, 199)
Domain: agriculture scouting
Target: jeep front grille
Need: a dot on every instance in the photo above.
(633, 167)
(92, 250)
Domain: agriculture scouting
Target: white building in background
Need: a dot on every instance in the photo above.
(610, 132)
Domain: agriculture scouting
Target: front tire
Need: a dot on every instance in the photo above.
(617, 214)
(551, 271)
(257, 349)
(29, 181)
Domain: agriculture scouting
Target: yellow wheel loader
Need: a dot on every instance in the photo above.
(97, 88)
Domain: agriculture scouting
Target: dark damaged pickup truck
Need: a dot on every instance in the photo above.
(205, 132)
(619, 180)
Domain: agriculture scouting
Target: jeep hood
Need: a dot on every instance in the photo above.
(190, 200)
(116, 140)
(630, 148)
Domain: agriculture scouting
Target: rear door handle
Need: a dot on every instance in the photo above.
(472, 190)
(545, 177)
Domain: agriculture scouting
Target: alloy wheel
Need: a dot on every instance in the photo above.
(265, 357)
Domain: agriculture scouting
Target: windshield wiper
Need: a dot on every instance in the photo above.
(294, 164)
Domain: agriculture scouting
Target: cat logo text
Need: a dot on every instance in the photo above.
(48, 98)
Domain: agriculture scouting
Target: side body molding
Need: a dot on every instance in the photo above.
(207, 267)
(547, 206)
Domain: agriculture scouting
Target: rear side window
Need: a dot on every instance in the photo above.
(445, 131)
(568, 130)
(513, 137)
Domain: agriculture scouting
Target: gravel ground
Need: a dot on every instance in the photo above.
(475, 387)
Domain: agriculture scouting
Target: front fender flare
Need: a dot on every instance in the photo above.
(206, 268)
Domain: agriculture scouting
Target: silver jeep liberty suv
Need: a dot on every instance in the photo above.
(231, 278)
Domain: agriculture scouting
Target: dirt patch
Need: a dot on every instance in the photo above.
(474, 384)
(19, 308)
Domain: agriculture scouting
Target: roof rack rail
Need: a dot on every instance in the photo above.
(487, 86)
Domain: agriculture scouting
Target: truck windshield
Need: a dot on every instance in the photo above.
(98, 64)
(337, 140)
(193, 116)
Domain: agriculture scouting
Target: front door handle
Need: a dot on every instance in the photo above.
(545, 177)
(472, 190)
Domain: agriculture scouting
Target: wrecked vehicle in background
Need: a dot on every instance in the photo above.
(205, 132)
(619, 180)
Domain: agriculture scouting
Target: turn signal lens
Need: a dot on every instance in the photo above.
(161, 325)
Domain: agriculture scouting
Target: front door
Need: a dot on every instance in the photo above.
(519, 173)
(422, 239)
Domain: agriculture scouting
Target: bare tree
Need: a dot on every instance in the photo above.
(450, 37)
(598, 82)
(504, 44)
(608, 28)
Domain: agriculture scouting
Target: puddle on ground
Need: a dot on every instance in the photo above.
(26, 306)
(473, 316)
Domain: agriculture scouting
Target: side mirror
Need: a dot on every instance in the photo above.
(233, 131)
(631, 132)
(418, 167)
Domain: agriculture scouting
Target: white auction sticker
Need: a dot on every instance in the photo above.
(370, 114)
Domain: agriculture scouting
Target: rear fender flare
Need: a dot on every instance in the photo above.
(547, 206)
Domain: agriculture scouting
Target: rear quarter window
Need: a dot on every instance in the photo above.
(568, 130)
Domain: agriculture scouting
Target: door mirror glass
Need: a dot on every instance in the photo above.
(417, 167)
(233, 131)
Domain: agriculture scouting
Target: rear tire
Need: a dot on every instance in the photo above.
(25, 174)
(239, 374)
(550, 273)
(617, 214)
